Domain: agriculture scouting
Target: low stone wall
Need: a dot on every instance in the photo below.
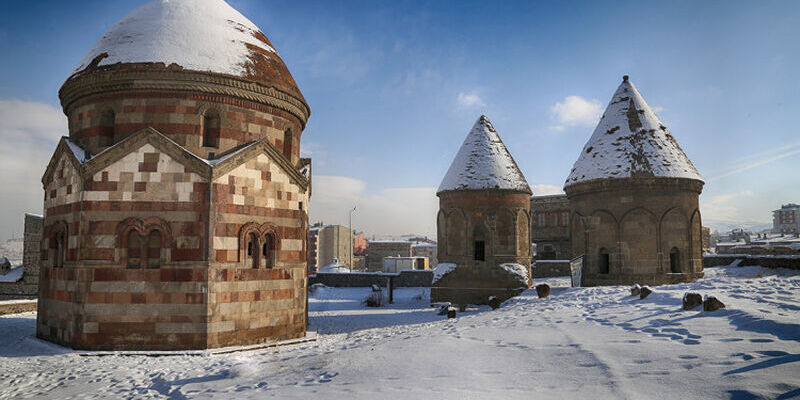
(716, 260)
(366, 279)
(550, 268)
(17, 306)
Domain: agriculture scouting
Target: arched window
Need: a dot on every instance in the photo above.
(107, 126)
(479, 253)
(675, 260)
(287, 143)
(59, 250)
(154, 249)
(603, 261)
(134, 249)
(252, 249)
(268, 250)
(211, 129)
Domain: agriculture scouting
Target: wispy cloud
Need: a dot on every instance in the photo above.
(391, 211)
(722, 207)
(757, 160)
(466, 100)
(29, 132)
(576, 111)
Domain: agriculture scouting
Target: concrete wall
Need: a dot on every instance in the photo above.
(790, 262)
(550, 268)
(361, 279)
(334, 241)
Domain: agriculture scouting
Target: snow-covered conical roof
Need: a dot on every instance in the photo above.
(198, 35)
(630, 141)
(483, 162)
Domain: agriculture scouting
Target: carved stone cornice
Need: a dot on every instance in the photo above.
(628, 184)
(132, 80)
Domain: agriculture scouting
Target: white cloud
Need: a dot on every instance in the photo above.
(576, 111)
(391, 211)
(544, 190)
(722, 207)
(470, 100)
(29, 132)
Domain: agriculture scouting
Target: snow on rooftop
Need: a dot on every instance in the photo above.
(483, 162)
(630, 141)
(201, 35)
(13, 275)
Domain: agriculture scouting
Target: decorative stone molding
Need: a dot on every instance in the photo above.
(121, 80)
(646, 184)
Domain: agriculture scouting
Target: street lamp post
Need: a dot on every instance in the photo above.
(350, 227)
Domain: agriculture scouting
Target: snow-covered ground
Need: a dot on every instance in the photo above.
(591, 343)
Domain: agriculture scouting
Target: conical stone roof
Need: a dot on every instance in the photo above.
(197, 35)
(630, 141)
(483, 162)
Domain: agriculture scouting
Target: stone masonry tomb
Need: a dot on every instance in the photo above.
(633, 197)
(483, 223)
(175, 210)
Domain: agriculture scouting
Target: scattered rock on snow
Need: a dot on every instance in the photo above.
(494, 302)
(636, 289)
(712, 304)
(644, 292)
(443, 309)
(692, 300)
(451, 312)
(543, 290)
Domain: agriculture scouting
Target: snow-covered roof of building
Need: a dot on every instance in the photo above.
(483, 162)
(198, 35)
(630, 141)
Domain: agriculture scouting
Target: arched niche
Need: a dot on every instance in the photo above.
(639, 242)
(674, 241)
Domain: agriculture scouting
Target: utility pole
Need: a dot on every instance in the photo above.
(350, 227)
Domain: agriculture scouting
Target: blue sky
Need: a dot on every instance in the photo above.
(395, 86)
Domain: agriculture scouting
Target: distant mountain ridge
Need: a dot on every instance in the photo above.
(727, 226)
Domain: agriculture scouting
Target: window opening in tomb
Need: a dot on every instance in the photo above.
(268, 251)
(252, 249)
(134, 250)
(154, 249)
(211, 129)
(58, 260)
(604, 260)
(675, 260)
(480, 245)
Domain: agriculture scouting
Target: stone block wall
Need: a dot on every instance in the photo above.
(638, 222)
(417, 278)
(377, 250)
(178, 113)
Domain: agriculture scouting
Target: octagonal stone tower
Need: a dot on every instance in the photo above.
(175, 211)
(633, 196)
(483, 222)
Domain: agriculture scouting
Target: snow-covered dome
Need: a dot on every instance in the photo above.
(334, 268)
(483, 162)
(198, 35)
(630, 141)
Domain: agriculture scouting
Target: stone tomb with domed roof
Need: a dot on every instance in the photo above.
(633, 196)
(483, 223)
(175, 210)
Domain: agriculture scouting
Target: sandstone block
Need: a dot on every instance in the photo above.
(692, 300)
(636, 289)
(645, 291)
(543, 290)
(711, 303)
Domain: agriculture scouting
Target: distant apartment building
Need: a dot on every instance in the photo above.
(786, 219)
(313, 248)
(377, 250)
(334, 241)
(359, 244)
(426, 249)
(550, 227)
